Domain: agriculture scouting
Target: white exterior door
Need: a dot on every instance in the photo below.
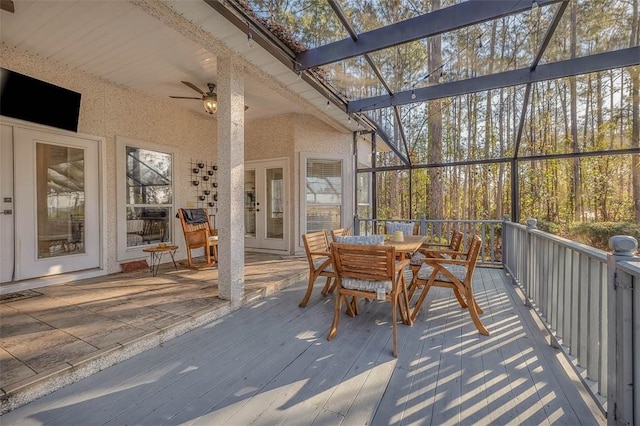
(266, 205)
(57, 208)
(6, 206)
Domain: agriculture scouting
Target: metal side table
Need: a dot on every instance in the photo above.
(155, 254)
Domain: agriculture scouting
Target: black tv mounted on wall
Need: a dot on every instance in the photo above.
(30, 99)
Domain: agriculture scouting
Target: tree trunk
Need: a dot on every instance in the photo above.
(575, 147)
(436, 210)
(635, 112)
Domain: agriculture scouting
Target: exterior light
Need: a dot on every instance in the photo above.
(210, 103)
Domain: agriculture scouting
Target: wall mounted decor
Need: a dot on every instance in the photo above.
(203, 176)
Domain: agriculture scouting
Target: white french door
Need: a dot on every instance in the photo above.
(56, 214)
(6, 208)
(266, 205)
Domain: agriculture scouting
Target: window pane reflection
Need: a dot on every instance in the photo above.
(275, 203)
(149, 196)
(323, 194)
(60, 200)
(148, 225)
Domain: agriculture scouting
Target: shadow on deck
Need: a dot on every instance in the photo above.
(269, 362)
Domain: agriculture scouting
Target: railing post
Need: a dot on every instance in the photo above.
(356, 225)
(423, 224)
(528, 264)
(620, 386)
(506, 239)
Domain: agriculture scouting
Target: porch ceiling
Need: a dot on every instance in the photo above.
(152, 46)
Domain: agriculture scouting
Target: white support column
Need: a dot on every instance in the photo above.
(230, 115)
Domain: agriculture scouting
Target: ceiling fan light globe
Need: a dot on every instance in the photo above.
(210, 104)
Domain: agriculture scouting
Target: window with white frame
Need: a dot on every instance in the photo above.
(145, 195)
(323, 194)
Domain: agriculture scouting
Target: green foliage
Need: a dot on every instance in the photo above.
(549, 227)
(597, 234)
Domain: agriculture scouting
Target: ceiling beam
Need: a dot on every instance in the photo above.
(570, 67)
(549, 34)
(379, 131)
(437, 22)
(403, 137)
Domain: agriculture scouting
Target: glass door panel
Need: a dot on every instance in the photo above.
(60, 199)
(57, 203)
(250, 203)
(275, 203)
(265, 211)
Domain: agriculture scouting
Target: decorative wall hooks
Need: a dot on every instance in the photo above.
(204, 182)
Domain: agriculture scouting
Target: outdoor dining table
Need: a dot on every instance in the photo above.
(409, 245)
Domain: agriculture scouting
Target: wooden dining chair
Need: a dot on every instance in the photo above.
(441, 250)
(456, 274)
(198, 233)
(316, 247)
(370, 272)
(340, 232)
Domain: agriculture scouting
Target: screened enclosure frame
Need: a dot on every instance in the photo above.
(307, 63)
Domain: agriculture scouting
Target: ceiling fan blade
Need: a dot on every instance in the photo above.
(184, 97)
(193, 86)
(7, 5)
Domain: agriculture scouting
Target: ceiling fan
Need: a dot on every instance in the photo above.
(209, 99)
(7, 5)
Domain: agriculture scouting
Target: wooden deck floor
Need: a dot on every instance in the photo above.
(270, 363)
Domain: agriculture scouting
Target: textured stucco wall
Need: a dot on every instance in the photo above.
(108, 110)
(312, 135)
(269, 138)
(287, 136)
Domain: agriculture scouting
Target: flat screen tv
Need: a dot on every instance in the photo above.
(37, 101)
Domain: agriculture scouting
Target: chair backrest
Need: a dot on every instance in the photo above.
(341, 232)
(406, 228)
(195, 226)
(194, 219)
(456, 240)
(361, 239)
(364, 262)
(472, 255)
(314, 244)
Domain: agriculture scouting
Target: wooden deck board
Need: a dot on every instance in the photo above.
(270, 363)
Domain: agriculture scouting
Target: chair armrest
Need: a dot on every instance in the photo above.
(433, 261)
(434, 245)
(441, 252)
(402, 264)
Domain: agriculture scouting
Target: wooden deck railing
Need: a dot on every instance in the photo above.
(588, 299)
(577, 292)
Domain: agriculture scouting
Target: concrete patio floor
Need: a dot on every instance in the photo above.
(56, 335)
